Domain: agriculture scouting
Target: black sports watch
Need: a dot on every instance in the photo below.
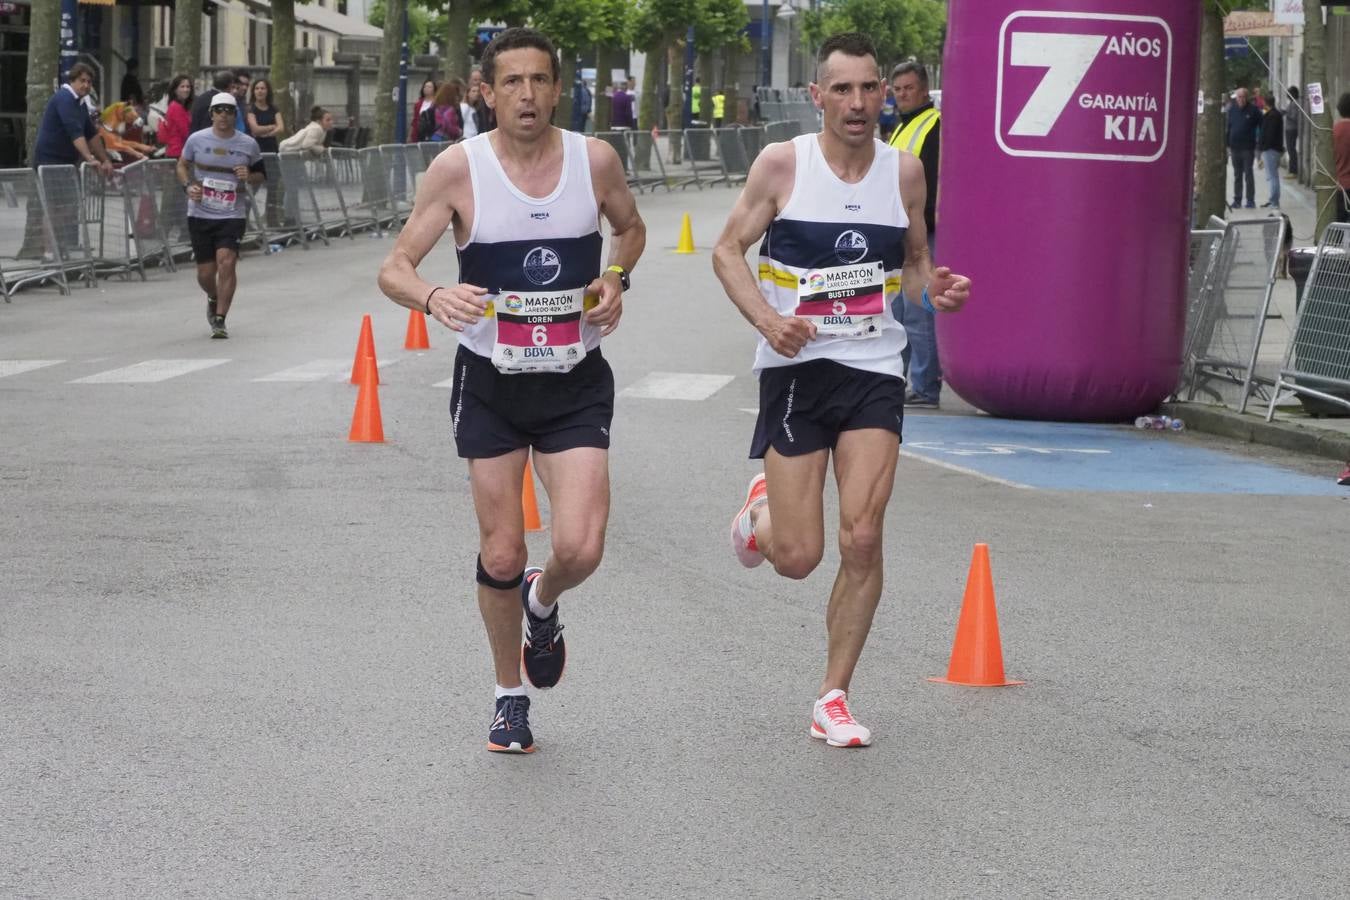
(624, 281)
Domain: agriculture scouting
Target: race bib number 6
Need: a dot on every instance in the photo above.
(538, 331)
(843, 301)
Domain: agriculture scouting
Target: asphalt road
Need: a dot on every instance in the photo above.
(239, 656)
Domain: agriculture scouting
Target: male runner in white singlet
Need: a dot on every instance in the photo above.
(532, 304)
(840, 213)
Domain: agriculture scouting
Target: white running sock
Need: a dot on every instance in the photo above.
(540, 610)
(517, 691)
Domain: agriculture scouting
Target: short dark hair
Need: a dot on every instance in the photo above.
(243, 73)
(317, 113)
(80, 70)
(517, 39)
(849, 43)
(1343, 106)
(224, 80)
(1293, 91)
(909, 66)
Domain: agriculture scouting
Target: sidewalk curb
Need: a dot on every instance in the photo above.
(1254, 429)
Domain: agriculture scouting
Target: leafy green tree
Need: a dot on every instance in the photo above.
(899, 28)
(719, 25)
(1315, 72)
(391, 51)
(44, 51)
(282, 71)
(424, 24)
(575, 26)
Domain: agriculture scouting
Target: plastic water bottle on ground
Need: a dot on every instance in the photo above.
(274, 248)
(1159, 423)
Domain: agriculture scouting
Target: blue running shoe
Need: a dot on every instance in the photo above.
(544, 655)
(510, 732)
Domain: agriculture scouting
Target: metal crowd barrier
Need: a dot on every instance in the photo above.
(70, 215)
(1317, 361)
(1224, 339)
(28, 250)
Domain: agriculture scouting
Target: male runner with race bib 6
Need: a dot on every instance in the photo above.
(525, 201)
(840, 214)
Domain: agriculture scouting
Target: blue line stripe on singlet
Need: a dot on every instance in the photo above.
(501, 265)
(811, 245)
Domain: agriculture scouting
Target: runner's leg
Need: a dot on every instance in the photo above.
(864, 467)
(496, 484)
(577, 484)
(206, 277)
(226, 279)
(796, 486)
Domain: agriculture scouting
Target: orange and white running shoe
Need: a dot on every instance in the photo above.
(832, 722)
(743, 527)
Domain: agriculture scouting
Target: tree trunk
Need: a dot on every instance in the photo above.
(562, 116)
(1315, 72)
(675, 106)
(731, 60)
(647, 112)
(283, 61)
(391, 49)
(44, 49)
(459, 17)
(1211, 165)
(605, 57)
(187, 38)
(706, 72)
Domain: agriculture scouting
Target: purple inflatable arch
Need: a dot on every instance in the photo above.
(1067, 142)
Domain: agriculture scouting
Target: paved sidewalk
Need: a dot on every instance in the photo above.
(1292, 428)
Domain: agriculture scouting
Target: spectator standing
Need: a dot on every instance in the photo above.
(177, 124)
(1340, 151)
(446, 111)
(886, 124)
(425, 100)
(468, 112)
(621, 109)
(919, 131)
(1243, 124)
(487, 116)
(68, 137)
(265, 121)
(1271, 145)
(719, 108)
(581, 104)
(1293, 126)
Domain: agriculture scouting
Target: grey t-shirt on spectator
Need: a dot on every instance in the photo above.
(213, 160)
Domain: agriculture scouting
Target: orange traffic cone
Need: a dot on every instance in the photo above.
(977, 655)
(528, 504)
(365, 346)
(417, 332)
(366, 425)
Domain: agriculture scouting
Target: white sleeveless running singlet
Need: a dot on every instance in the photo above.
(833, 255)
(519, 243)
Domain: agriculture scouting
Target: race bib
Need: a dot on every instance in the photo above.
(538, 331)
(219, 195)
(843, 301)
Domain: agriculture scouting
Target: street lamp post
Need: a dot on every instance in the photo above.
(766, 49)
(401, 114)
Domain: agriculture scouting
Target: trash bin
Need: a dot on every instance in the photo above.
(1300, 265)
(699, 142)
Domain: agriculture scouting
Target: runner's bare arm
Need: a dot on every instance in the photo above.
(628, 233)
(947, 291)
(433, 211)
(765, 193)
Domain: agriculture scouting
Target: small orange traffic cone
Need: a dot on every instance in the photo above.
(528, 504)
(977, 654)
(365, 346)
(416, 338)
(686, 244)
(367, 427)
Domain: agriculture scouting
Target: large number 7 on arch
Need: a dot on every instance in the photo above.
(1067, 57)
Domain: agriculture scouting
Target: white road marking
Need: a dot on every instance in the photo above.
(10, 367)
(447, 383)
(908, 454)
(676, 386)
(314, 370)
(150, 370)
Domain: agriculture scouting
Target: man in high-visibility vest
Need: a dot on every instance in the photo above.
(719, 108)
(697, 105)
(918, 132)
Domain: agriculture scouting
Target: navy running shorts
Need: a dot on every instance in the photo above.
(209, 235)
(804, 407)
(492, 414)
